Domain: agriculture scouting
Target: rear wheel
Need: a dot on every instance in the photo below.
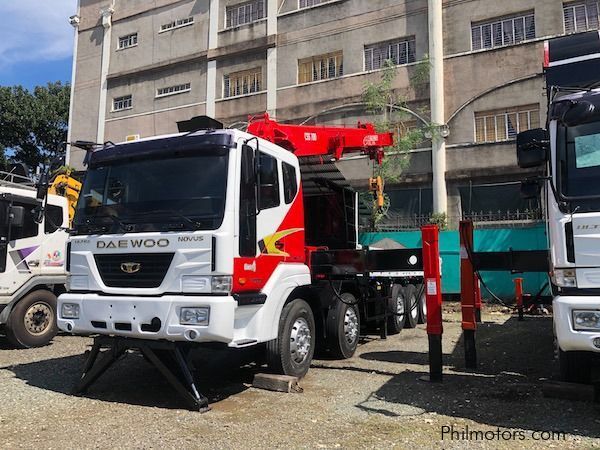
(292, 352)
(411, 305)
(32, 321)
(422, 304)
(396, 306)
(343, 327)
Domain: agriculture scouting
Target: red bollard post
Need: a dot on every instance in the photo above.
(433, 293)
(519, 297)
(468, 294)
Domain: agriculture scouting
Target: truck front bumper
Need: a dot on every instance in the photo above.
(568, 338)
(130, 316)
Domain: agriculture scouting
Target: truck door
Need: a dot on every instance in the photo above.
(23, 249)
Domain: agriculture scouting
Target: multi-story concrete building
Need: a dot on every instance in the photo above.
(141, 66)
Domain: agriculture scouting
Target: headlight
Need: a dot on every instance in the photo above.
(194, 316)
(221, 284)
(586, 320)
(564, 277)
(69, 311)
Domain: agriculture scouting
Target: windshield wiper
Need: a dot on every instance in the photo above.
(124, 226)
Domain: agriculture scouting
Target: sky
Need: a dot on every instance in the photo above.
(36, 41)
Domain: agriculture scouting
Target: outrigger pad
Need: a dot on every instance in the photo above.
(179, 376)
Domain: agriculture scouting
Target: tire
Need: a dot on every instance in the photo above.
(343, 327)
(422, 304)
(411, 306)
(32, 321)
(396, 304)
(289, 355)
(575, 367)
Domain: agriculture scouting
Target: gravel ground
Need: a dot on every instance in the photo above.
(374, 400)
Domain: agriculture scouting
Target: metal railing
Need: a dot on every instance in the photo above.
(481, 219)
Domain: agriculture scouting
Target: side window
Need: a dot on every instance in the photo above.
(53, 218)
(290, 184)
(269, 182)
(30, 227)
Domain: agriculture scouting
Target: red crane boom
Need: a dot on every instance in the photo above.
(309, 140)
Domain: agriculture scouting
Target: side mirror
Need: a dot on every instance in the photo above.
(578, 113)
(533, 148)
(42, 187)
(530, 189)
(16, 216)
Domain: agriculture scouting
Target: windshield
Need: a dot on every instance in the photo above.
(156, 194)
(579, 164)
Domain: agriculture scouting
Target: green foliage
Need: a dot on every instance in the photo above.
(439, 219)
(383, 101)
(34, 124)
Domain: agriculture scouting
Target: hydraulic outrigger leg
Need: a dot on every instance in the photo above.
(178, 374)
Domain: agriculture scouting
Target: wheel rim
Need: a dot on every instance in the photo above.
(300, 340)
(351, 326)
(414, 308)
(38, 318)
(399, 309)
(424, 305)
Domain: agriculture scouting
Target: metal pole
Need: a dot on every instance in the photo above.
(439, 133)
(74, 21)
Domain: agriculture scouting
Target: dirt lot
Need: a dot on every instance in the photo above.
(374, 400)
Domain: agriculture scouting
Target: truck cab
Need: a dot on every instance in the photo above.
(32, 260)
(568, 152)
(197, 237)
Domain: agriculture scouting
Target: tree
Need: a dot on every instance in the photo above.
(383, 101)
(34, 124)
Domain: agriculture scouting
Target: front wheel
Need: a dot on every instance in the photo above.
(575, 367)
(32, 321)
(292, 352)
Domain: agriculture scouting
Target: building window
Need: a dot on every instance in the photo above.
(399, 51)
(122, 103)
(322, 67)
(243, 13)
(177, 24)
(242, 83)
(172, 90)
(501, 32)
(309, 3)
(128, 41)
(505, 124)
(580, 16)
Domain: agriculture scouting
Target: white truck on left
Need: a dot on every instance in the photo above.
(33, 237)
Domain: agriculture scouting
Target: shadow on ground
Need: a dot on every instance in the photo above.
(514, 358)
(132, 380)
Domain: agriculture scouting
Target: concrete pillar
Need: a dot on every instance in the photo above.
(436, 55)
(454, 207)
(106, 42)
(74, 21)
(211, 70)
(272, 59)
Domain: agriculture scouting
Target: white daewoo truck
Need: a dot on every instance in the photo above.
(231, 237)
(32, 259)
(569, 153)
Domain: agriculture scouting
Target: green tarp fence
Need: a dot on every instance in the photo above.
(486, 240)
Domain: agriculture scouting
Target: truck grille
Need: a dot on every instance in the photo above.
(147, 270)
